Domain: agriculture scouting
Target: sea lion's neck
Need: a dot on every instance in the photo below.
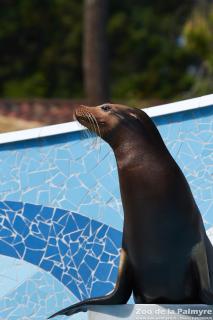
(126, 157)
(131, 152)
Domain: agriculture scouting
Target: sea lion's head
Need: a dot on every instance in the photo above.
(110, 120)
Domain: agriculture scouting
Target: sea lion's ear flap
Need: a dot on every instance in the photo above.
(137, 114)
(132, 114)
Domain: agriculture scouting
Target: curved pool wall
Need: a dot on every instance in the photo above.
(60, 208)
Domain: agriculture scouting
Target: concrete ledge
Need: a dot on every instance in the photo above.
(151, 311)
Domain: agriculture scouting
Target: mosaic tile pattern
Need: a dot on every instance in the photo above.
(72, 171)
(66, 171)
(13, 272)
(189, 137)
(81, 253)
(36, 297)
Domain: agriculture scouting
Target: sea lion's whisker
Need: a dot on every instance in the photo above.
(99, 136)
(87, 131)
(97, 142)
(94, 128)
(85, 134)
(99, 131)
(92, 125)
(86, 115)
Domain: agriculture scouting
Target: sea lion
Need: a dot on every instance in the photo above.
(166, 256)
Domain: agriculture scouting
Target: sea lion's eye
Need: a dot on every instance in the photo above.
(106, 108)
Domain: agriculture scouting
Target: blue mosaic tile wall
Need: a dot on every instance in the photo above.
(27, 292)
(61, 214)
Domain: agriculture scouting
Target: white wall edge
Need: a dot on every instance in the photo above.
(74, 126)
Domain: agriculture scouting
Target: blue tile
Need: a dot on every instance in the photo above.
(110, 247)
(43, 196)
(52, 241)
(74, 248)
(63, 248)
(64, 166)
(20, 248)
(44, 229)
(51, 251)
(18, 239)
(105, 257)
(7, 249)
(87, 231)
(20, 226)
(33, 256)
(4, 233)
(116, 236)
(81, 220)
(114, 274)
(3, 205)
(83, 290)
(34, 242)
(59, 213)
(70, 225)
(95, 225)
(58, 228)
(103, 271)
(59, 179)
(73, 287)
(101, 288)
(57, 272)
(30, 211)
(35, 228)
(46, 265)
(78, 194)
(91, 261)
(37, 178)
(62, 154)
(79, 256)
(75, 235)
(47, 213)
(87, 180)
(97, 249)
(16, 206)
(84, 272)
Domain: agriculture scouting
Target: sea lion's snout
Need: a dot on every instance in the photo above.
(89, 117)
(81, 115)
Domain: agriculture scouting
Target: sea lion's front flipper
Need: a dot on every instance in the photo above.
(120, 294)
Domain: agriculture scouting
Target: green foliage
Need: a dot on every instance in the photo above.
(147, 59)
(40, 48)
(34, 86)
(198, 33)
(154, 46)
